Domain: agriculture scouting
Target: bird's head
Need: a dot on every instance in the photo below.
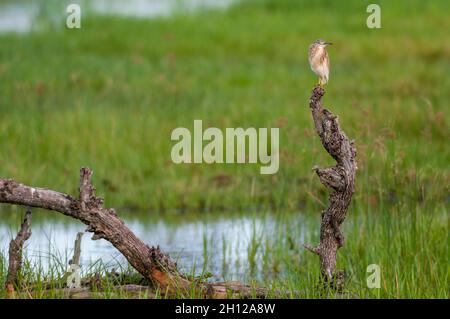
(322, 43)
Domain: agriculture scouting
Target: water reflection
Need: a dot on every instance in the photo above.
(17, 17)
(223, 245)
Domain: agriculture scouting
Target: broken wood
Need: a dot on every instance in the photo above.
(340, 179)
(15, 253)
(76, 250)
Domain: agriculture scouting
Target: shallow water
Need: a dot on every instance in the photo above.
(222, 244)
(23, 15)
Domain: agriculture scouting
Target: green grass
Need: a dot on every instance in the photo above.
(108, 96)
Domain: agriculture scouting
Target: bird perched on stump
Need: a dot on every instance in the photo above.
(319, 60)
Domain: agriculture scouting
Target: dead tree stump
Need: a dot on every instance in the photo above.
(340, 179)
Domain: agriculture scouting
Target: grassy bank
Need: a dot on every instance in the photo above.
(109, 95)
(410, 250)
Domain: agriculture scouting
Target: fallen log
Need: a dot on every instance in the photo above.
(152, 263)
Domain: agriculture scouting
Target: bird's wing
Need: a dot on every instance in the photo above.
(312, 53)
(325, 60)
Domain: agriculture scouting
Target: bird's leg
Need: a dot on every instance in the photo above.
(321, 82)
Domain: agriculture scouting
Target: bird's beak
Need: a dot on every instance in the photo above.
(328, 43)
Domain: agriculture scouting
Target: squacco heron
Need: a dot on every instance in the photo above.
(319, 60)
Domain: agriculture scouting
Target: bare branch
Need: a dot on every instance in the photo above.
(312, 249)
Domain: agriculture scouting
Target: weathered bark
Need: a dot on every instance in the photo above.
(339, 178)
(15, 252)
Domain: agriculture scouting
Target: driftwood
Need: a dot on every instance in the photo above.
(340, 179)
(150, 262)
(15, 253)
